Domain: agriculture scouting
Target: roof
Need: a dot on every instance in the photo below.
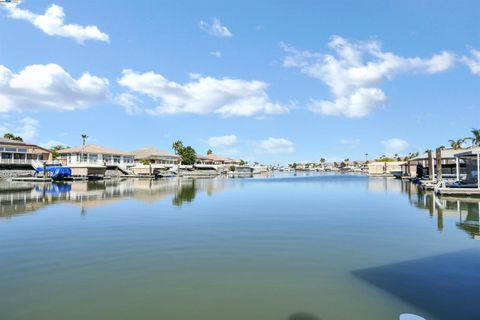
(150, 152)
(446, 154)
(93, 148)
(216, 157)
(21, 143)
(468, 152)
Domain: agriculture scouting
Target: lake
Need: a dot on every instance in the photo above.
(334, 246)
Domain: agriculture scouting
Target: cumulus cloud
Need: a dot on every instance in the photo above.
(202, 95)
(395, 145)
(52, 23)
(27, 128)
(274, 145)
(129, 102)
(473, 61)
(222, 141)
(354, 71)
(40, 87)
(215, 28)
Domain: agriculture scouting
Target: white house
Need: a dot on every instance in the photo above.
(92, 154)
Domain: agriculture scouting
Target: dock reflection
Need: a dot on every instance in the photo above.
(465, 209)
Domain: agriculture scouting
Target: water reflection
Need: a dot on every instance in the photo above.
(21, 198)
(465, 209)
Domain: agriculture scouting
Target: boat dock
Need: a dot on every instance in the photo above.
(459, 191)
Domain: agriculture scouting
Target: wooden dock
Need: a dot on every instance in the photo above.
(459, 191)
(32, 179)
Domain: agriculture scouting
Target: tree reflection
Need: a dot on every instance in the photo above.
(186, 193)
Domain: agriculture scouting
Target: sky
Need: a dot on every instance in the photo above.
(268, 81)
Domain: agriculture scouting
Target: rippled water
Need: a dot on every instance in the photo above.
(336, 246)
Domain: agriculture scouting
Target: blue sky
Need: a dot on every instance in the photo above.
(273, 81)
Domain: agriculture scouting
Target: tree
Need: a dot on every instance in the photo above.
(177, 146)
(188, 155)
(209, 152)
(146, 162)
(347, 160)
(476, 137)
(55, 149)
(11, 136)
(242, 162)
(84, 138)
(231, 168)
(322, 160)
(456, 144)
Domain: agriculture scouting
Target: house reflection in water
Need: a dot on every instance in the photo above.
(23, 198)
(465, 209)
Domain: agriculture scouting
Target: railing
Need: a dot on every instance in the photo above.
(15, 161)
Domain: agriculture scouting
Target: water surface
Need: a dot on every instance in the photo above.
(337, 246)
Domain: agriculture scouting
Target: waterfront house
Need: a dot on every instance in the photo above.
(448, 162)
(384, 168)
(156, 156)
(93, 160)
(221, 160)
(95, 155)
(158, 160)
(204, 160)
(18, 152)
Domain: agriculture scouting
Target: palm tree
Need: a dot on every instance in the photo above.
(456, 144)
(209, 152)
(476, 137)
(84, 139)
(177, 146)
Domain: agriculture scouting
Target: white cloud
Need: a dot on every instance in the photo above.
(52, 23)
(217, 54)
(129, 102)
(215, 28)
(222, 141)
(274, 145)
(473, 62)
(358, 104)
(27, 128)
(39, 87)
(204, 95)
(354, 71)
(395, 145)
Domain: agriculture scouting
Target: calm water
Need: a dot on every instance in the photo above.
(337, 246)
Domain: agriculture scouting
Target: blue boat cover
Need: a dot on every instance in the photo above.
(54, 189)
(57, 171)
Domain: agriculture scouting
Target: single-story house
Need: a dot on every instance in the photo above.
(449, 168)
(384, 168)
(156, 156)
